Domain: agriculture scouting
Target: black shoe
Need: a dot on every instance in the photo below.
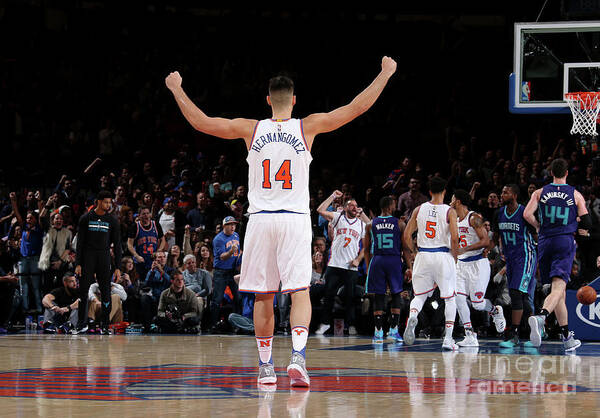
(105, 331)
(50, 329)
(80, 329)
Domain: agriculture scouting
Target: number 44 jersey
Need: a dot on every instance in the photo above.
(278, 165)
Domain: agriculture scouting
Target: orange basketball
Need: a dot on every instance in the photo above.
(586, 295)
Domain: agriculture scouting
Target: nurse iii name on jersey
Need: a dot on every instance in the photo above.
(285, 137)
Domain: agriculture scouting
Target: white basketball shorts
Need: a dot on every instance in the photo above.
(472, 278)
(430, 269)
(277, 249)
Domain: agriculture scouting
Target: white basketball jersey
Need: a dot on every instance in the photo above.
(347, 234)
(278, 161)
(433, 227)
(467, 236)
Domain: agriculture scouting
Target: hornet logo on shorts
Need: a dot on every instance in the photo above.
(177, 381)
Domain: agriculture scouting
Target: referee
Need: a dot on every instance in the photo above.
(97, 231)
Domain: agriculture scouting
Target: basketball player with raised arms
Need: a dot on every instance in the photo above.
(277, 248)
(516, 239)
(561, 212)
(473, 268)
(383, 260)
(435, 263)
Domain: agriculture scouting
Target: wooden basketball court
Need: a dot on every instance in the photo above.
(140, 375)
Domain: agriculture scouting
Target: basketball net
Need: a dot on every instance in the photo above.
(584, 107)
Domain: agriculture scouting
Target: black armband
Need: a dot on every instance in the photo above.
(585, 222)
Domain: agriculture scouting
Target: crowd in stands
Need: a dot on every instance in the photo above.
(182, 228)
(91, 124)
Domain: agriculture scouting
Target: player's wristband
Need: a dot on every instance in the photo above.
(585, 222)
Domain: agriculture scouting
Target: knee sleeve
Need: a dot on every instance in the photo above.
(418, 302)
(379, 303)
(516, 299)
(463, 309)
(450, 309)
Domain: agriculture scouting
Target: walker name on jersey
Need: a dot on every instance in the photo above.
(509, 226)
(557, 195)
(287, 138)
(347, 231)
(384, 226)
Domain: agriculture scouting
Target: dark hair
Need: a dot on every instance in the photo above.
(68, 275)
(386, 202)
(559, 168)
(142, 207)
(104, 194)
(281, 83)
(176, 272)
(463, 196)
(514, 189)
(437, 185)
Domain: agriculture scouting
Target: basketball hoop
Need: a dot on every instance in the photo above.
(584, 107)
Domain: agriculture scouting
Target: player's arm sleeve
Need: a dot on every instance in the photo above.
(585, 222)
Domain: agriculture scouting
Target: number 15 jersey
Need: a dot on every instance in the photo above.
(279, 162)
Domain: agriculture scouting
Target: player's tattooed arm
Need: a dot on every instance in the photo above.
(407, 238)
(367, 246)
(452, 221)
(532, 206)
(322, 209)
(476, 222)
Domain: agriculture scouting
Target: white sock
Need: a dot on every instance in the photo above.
(450, 313)
(265, 346)
(463, 310)
(416, 305)
(299, 337)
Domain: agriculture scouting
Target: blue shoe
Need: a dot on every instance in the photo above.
(378, 337)
(512, 343)
(394, 335)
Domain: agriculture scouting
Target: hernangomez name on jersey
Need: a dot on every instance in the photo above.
(278, 161)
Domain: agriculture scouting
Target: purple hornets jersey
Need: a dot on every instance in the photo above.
(386, 238)
(557, 210)
(518, 247)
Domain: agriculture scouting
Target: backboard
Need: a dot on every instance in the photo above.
(551, 59)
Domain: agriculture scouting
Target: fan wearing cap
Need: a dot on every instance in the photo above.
(226, 249)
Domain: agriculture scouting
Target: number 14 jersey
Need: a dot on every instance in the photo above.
(278, 161)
